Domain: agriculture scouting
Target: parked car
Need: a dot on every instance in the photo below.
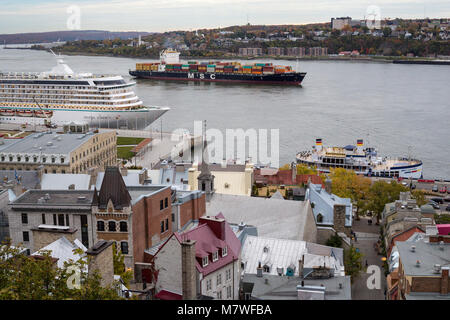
(447, 208)
(443, 189)
(434, 205)
(447, 199)
(435, 188)
(438, 200)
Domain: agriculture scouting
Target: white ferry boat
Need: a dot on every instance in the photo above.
(361, 160)
(61, 96)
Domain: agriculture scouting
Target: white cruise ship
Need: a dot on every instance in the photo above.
(61, 96)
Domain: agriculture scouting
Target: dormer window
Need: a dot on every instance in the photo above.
(224, 251)
(204, 261)
(215, 256)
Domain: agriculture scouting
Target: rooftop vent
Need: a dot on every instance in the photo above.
(441, 245)
(47, 196)
(81, 198)
(340, 285)
(418, 263)
(437, 268)
(49, 143)
(413, 248)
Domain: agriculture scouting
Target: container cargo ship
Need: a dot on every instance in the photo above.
(60, 96)
(362, 160)
(170, 68)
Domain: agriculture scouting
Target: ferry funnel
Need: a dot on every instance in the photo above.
(359, 145)
(319, 144)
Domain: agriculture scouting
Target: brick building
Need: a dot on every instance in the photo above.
(250, 51)
(296, 51)
(318, 51)
(275, 51)
(423, 271)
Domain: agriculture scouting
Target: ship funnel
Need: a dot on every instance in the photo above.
(359, 145)
(319, 144)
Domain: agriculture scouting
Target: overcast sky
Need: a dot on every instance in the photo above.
(163, 15)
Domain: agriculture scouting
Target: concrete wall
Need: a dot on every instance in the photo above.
(168, 263)
(103, 263)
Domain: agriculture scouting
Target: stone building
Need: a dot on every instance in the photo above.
(38, 209)
(250, 51)
(276, 51)
(59, 153)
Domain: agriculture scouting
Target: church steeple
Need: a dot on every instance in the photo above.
(205, 179)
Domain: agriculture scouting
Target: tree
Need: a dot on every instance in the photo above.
(387, 32)
(353, 262)
(119, 266)
(334, 241)
(304, 169)
(38, 278)
(419, 195)
(347, 184)
(381, 193)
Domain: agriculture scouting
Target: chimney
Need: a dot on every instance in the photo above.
(93, 172)
(328, 185)
(319, 144)
(259, 270)
(100, 258)
(300, 266)
(339, 218)
(124, 171)
(188, 270)
(294, 172)
(359, 145)
(444, 280)
(143, 176)
(217, 225)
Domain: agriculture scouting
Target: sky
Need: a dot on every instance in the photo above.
(18, 16)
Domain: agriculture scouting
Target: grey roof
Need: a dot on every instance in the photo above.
(62, 181)
(29, 179)
(40, 142)
(138, 192)
(272, 217)
(270, 287)
(56, 198)
(429, 254)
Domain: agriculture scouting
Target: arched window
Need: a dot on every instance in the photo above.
(100, 226)
(319, 218)
(266, 268)
(123, 226)
(112, 226)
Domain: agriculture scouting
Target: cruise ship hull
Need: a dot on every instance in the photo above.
(293, 78)
(130, 119)
(413, 171)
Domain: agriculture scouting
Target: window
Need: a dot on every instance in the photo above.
(24, 218)
(319, 218)
(161, 204)
(166, 202)
(266, 268)
(208, 284)
(124, 247)
(60, 219)
(100, 226)
(43, 218)
(228, 274)
(162, 226)
(123, 226)
(219, 279)
(219, 294)
(167, 224)
(26, 236)
(67, 219)
(229, 292)
(111, 226)
(224, 251)
(204, 261)
(54, 220)
(215, 256)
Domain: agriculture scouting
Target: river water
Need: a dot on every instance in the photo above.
(402, 110)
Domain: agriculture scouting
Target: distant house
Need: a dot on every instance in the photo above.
(329, 209)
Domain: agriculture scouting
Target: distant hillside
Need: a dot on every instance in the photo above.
(42, 37)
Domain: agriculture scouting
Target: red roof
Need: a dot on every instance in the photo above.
(208, 240)
(403, 236)
(285, 177)
(443, 229)
(167, 295)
